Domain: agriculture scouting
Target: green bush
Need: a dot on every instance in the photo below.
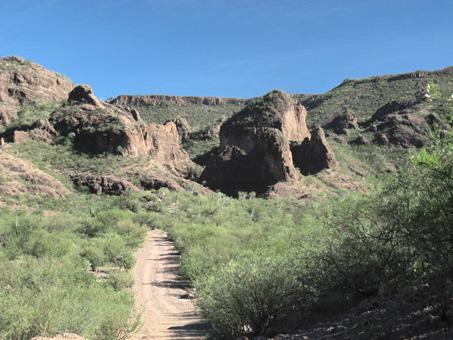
(251, 298)
(120, 280)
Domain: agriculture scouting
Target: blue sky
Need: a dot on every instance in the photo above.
(226, 48)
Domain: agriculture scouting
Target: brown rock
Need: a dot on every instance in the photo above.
(396, 106)
(314, 155)
(83, 94)
(105, 128)
(43, 131)
(276, 110)
(383, 140)
(20, 136)
(343, 123)
(360, 140)
(23, 82)
(183, 128)
(254, 149)
(109, 185)
(134, 113)
(23, 178)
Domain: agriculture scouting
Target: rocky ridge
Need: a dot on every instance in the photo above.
(23, 83)
(167, 100)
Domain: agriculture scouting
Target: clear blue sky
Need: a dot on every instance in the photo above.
(227, 48)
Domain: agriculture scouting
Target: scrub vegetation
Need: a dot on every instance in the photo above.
(258, 265)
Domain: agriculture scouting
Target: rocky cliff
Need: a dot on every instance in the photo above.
(23, 83)
(255, 150)
(102, 127)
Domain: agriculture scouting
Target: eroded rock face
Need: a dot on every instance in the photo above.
(41, 130)
(101, 127)
(276, 110)
(21, 177)
(183, 128)
(109, 185)
(344, 123)
(255, 152)
(23, 82)
(405, 123)
(83, 94)
(315, 154)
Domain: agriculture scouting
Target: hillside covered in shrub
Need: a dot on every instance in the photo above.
(359, 247)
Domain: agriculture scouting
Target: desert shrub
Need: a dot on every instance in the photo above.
(93, 252)
(251, 298)
(117, 252)
(119, 320)
(120, 280)
(42, 243)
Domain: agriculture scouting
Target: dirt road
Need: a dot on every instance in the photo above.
(168, 312)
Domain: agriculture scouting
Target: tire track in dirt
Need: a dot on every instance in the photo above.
(168, 313)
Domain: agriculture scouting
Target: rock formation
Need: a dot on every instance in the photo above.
(405, 123)
(101, 127)
(166, 101)
(183, 128)
(23, 82)
(342, 124)
(110, 185)
(313, 155)
(21, 177)
(255, 151)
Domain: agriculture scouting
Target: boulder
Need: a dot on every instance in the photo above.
(395, 106)
(276, 110)
(255, 152)
(83, 94)
(383, 140)
(360, 140)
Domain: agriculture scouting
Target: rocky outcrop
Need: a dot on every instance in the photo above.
(183, 128)
(21, 177)
(255, 152)
(83, 94)
(405, 124)
(169, 101)
(342, 124)
(109, 185)
(101, 127)
(361, 140)
(23, 82)
(396, 106)
(276, 110)
(313, 155)
(41, 131)
(254, 146)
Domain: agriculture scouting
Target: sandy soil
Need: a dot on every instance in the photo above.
(168, 311)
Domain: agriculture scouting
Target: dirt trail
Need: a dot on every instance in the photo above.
(168, 312)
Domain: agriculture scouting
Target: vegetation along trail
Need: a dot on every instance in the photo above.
(168, 313)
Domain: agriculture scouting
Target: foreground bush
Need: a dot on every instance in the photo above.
(251, 298)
